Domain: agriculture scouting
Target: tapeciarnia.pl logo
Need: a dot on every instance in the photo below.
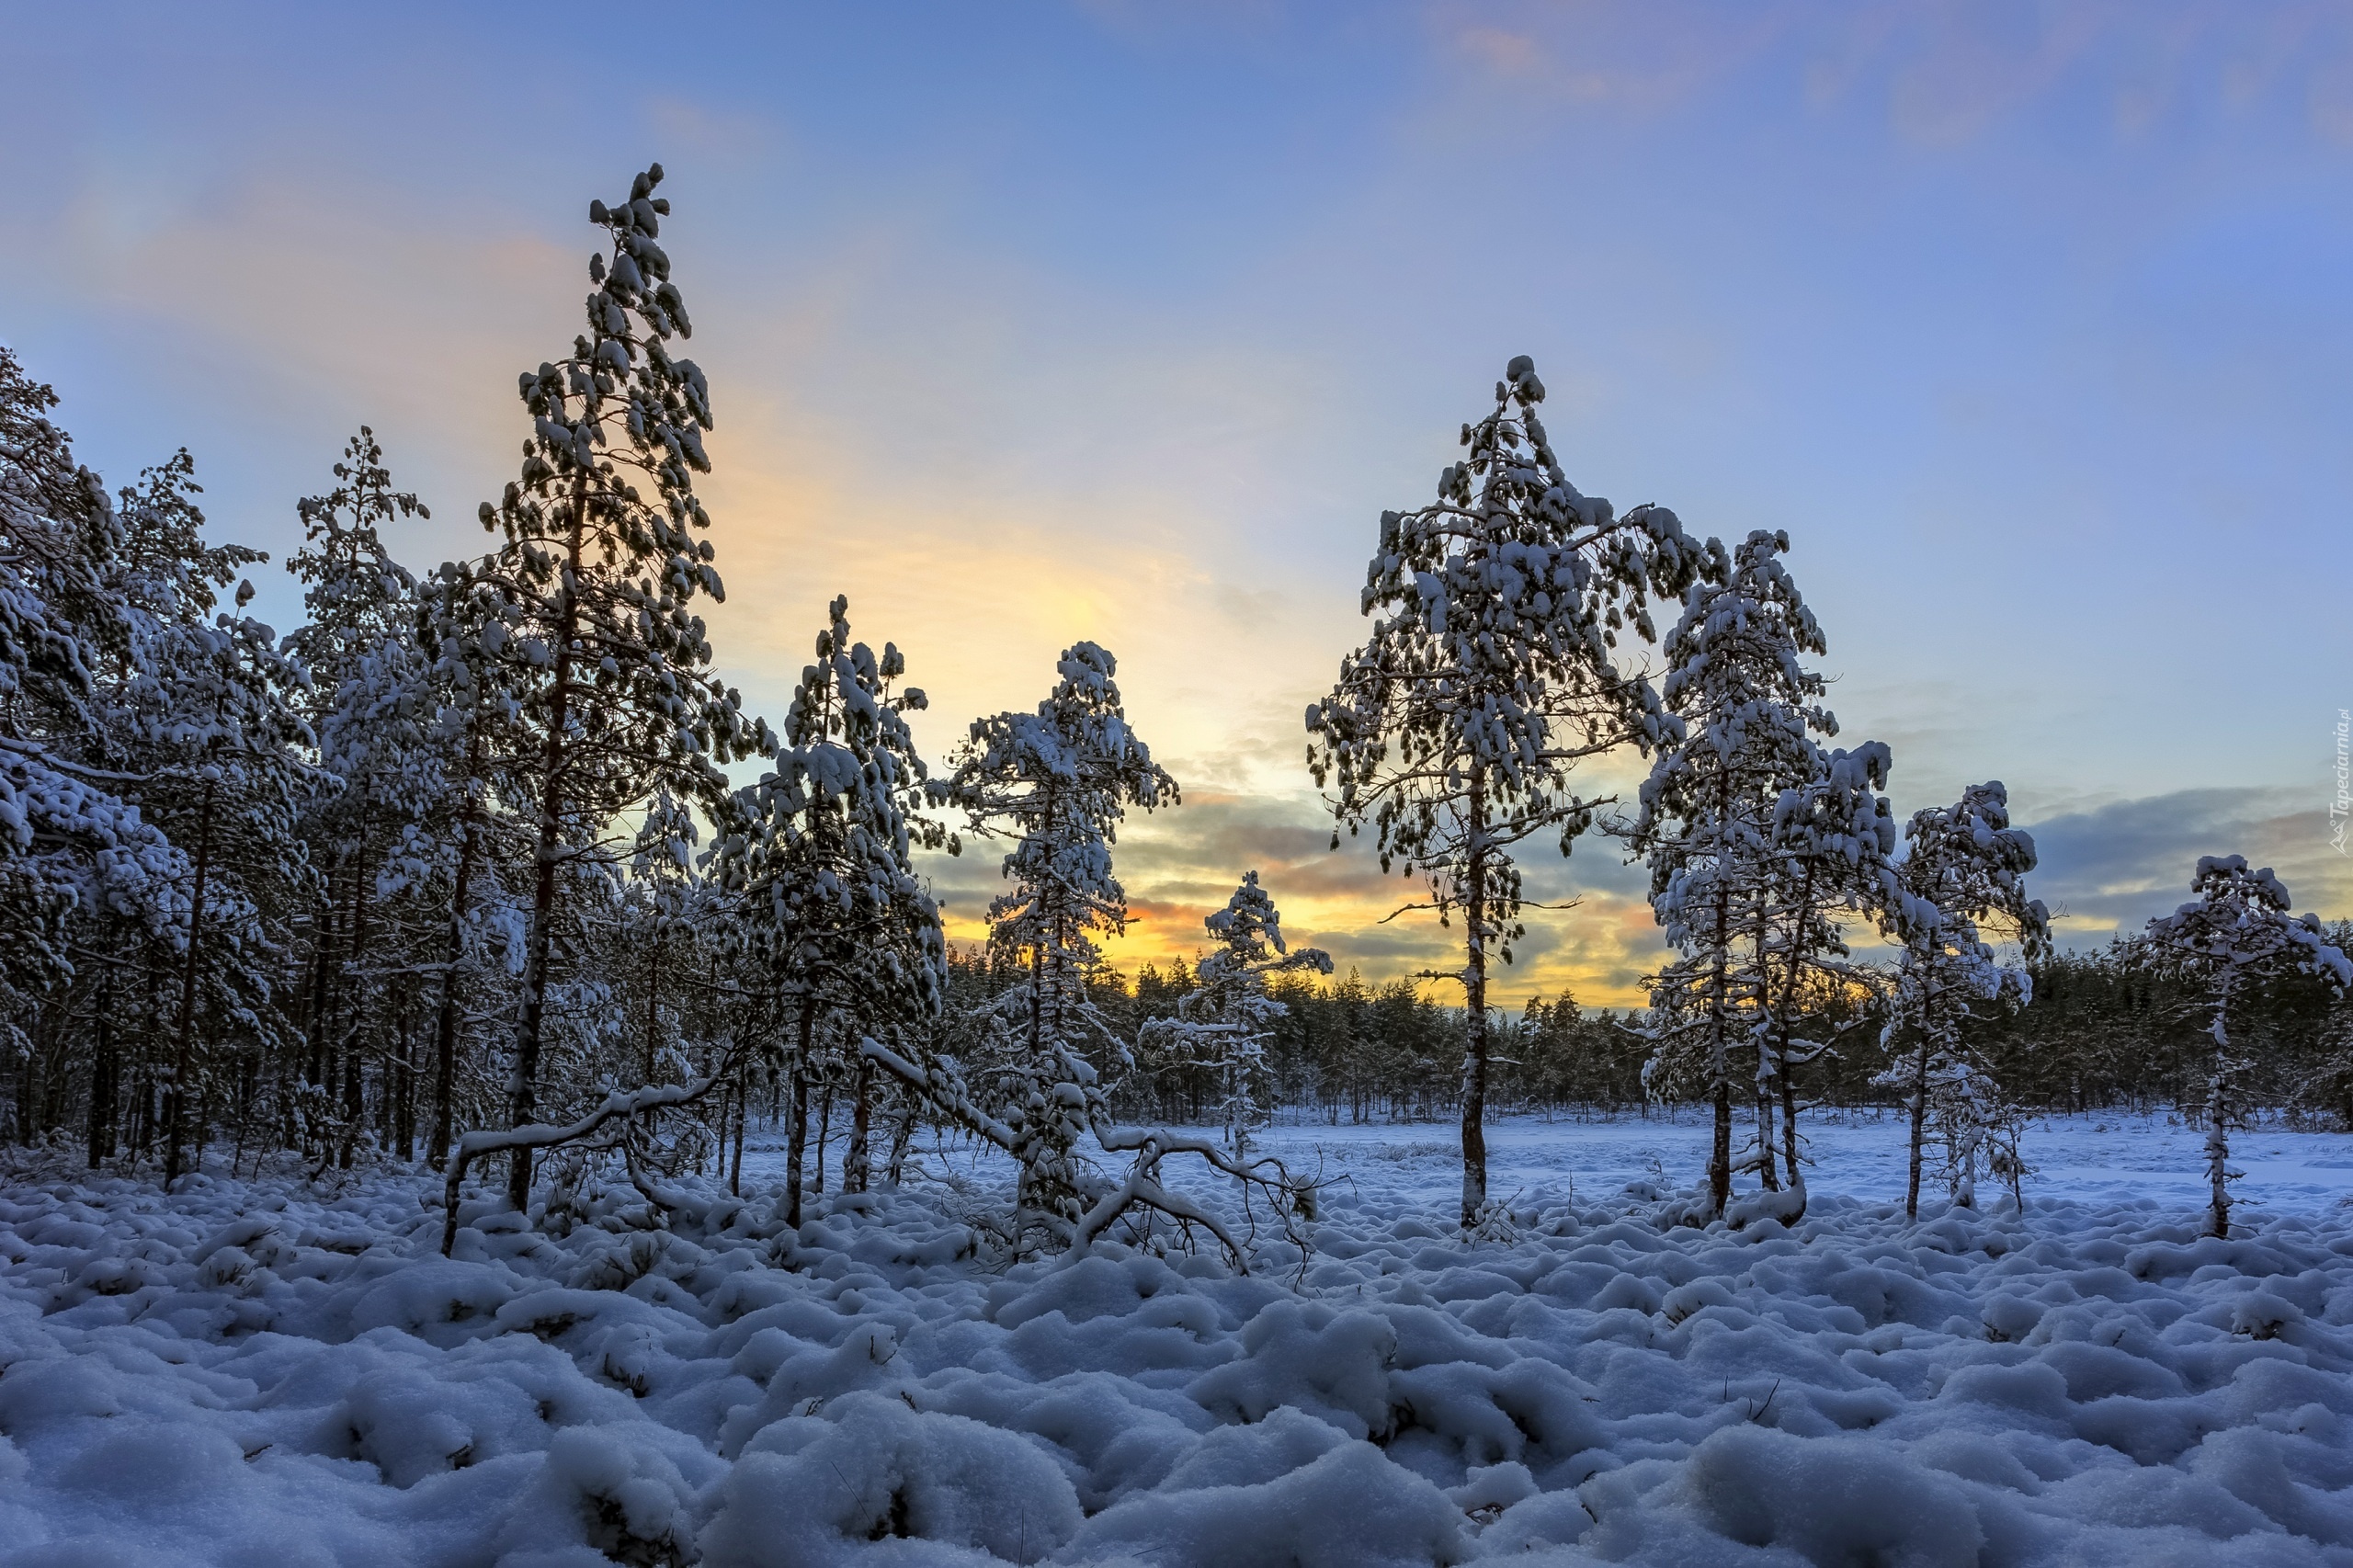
(2340, 810)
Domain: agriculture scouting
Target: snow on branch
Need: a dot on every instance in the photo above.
(546, 1135)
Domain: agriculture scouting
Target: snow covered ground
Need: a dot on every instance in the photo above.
(279, 1373)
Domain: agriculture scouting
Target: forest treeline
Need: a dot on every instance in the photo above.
(465, 869)
(2106, 1032)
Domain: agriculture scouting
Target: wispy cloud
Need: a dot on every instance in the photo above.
(2114, 866)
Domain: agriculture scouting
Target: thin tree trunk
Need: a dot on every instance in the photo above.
(524, 1086)
(317, 1101)
(1784, 1069)
(105, 1066)
(1474, 988)
(743, 1112)
(854, 1171)
(2219, 1109)
(1720, 1152)
(1920, 1126)
(652, 1002)
(824, 1130)
(445, 1023)
(355, 1082)
(796, 1127)
(184, 1056)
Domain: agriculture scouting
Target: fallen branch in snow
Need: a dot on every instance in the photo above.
(544, 1135)
(945, 1090)
(1143, 1188)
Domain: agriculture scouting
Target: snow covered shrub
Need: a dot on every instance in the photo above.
(1347, 1508)
(1309, 1356)
(624, 1503)
(811, 1490)
(1830, 1500)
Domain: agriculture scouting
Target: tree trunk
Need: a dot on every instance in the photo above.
(1720, 1051)
(2219, 1111)
(445, 1023)
(524, 1085)
(824, 1130)
(316, 1098)
(743, 1114)
(355, 1080)
(854, 1163)
(105, 1068)
(184, 1055)
(1765, 1172)
(1920, 1126)
(1720, 1148)
(1784, 1069)
(1475, 1017)
(796, 1126)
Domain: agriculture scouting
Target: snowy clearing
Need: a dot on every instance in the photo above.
(273, 1373)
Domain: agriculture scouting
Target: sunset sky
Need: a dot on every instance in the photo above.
(1027, 323)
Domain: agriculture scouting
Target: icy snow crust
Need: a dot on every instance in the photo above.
(276, 1373)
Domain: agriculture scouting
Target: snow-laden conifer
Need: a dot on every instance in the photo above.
(1223, 1026)
(372, 707)
(204, 707)
(2236, 934)
(584, 616)
(1830, 861)
(73, 846)
(1057, 782)
(1490, 673)
(1746, 713)
(832, 920)
(1962, 878)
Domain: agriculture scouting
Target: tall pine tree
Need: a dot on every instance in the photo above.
(1057, 782)
(1489, 674)
(592, 593)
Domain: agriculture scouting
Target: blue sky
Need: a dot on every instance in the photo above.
(1032, 323)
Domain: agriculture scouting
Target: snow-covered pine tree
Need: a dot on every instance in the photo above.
(1223, 1026)
(1963, 875)
(1746, 713)
(1490, 673)
(596, 637)
(204, 707)
(73, 851)
(1831, 858)
(372, 708)
(832, 918)
(1057, 781)
(2237, 934)
(463, 633)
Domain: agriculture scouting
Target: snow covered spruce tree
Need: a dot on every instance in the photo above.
(371, 705)
(1491, 672)
(594, 633)
(1830, 859)
(204, 710)
(462, 635)
(77, 859)
(1747, 715)
(832, 922)
(1223, 1026)
(1057, 781)
(2236, 935)
(1963, 877)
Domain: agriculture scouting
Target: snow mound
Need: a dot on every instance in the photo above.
(276, 1372)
